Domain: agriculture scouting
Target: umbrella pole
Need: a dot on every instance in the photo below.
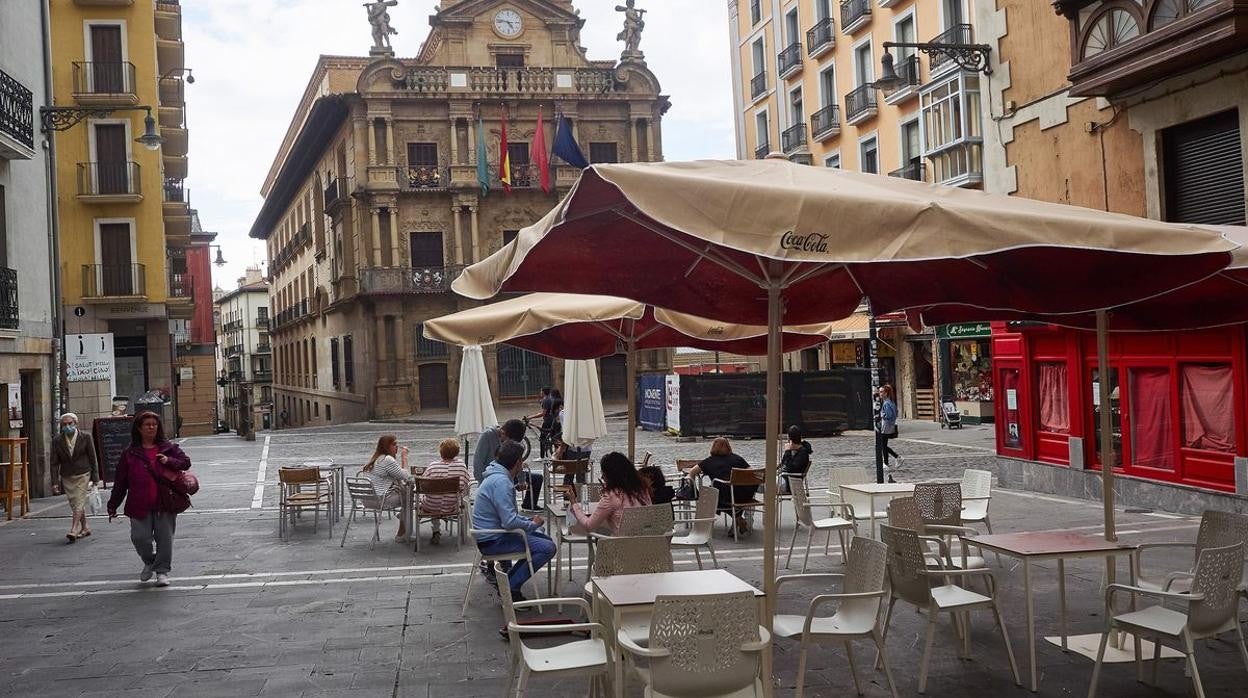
(775, 319)
(632, 399)
(1107, 423)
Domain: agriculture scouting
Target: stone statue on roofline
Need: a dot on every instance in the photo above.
(631, 34)
(379, 18)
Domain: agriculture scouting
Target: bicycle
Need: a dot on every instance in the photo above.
(543, 440)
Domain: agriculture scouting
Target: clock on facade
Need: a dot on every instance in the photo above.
(508, 23)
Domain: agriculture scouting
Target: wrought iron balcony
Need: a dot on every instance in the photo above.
(97, 82)
(181, 286)
(262, 323)
(821, 38)
(337, 194)
(957, 34)
(826, 122)
(17, 119)
(175, 192)
(8, 299)
(112, 180)
(908, 70)
(262, 375)
(403, 281)
(762, 150)
(232, 326)
(114, 280)
(860, 104)
(758, 85)
(490, 80)
(790, 59)
(793, 138)
(915, 170)
(855, 14)
(233, 350)
(264, 348)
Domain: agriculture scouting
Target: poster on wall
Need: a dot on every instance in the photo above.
(15, 406)
(89, 357)
(672, 392)
(651, 402)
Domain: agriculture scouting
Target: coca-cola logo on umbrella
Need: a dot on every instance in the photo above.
(810, 242)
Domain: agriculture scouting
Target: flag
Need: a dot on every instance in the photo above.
(565, 144)
(538, 153)
(504, 158)
(483, 167)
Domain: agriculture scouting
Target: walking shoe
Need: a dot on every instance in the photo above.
(162, 580)
(516, 596)
(146, 574)
(505, 566)
(436, 538)
(899, 462)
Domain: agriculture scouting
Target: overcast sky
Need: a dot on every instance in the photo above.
(252, 59)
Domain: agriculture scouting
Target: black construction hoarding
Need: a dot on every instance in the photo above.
(823, 403)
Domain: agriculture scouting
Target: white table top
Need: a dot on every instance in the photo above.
(881, 487)
(642, 589)
(1050, 543)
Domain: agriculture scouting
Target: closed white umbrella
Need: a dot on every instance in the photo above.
(584, 420)
(474, 412)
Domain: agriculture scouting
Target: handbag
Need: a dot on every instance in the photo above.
(94, 503)
(169, 497)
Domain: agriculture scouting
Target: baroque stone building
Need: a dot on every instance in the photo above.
(377, 199)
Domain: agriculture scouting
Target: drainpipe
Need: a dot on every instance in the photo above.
(54, 225)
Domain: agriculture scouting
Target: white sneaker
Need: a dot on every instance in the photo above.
(900, 460)
(162, 580)
(146, 574)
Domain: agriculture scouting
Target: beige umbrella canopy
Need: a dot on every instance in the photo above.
(574, 326)
(769, 241)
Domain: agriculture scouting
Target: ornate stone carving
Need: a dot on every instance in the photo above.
(631, 34)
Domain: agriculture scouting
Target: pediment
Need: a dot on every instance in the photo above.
(560, 11)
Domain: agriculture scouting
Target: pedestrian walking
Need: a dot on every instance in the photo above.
(886, 427)
(151, 504)
(74, 470)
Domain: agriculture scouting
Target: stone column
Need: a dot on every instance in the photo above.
(454, 140)
(395, 246)
(459, 236)
(476, 234)
(472, 142)
(650, 146)
(372, 141)
(390, 160)
(402, 356)
(376, 215)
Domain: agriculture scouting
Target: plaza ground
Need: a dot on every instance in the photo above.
(249, 614)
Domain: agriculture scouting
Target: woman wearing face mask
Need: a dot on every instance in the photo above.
(74, 468)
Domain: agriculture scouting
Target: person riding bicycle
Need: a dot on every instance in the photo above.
(548, 419)
(487, 448)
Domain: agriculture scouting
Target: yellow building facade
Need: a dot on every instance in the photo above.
(124, 217)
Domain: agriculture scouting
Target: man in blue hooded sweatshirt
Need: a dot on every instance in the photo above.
(496, 509)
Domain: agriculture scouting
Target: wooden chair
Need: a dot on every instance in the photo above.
(1212, 609)
(293, 499)
(558, 472)
(364, 500)
(857, 613)
(699, 527)
(437, 486)
(15, 474)
(742, 477)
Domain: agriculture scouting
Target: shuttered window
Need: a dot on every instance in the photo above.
(1204, 171)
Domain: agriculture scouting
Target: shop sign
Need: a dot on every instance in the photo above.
(89, 357)
(964, 330)
(131, 311)
(844, 352)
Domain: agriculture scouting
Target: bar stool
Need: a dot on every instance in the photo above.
(15, 473)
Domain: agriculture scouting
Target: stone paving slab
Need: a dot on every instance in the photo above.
(250, 614)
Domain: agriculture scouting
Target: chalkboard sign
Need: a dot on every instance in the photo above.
(112, 436)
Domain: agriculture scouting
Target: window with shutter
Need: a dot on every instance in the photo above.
(1203, 171)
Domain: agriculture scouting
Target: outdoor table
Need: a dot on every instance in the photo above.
(872, 490)
(1037, 546)
(637, 592)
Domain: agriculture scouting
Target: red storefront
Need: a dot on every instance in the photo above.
(1177, 400)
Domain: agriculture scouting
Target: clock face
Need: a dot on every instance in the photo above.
(508, 23)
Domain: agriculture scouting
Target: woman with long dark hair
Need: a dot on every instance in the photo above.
(151, 504)
(622, 487)
(390, 480)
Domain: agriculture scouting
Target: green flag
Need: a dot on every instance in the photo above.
(483, 167)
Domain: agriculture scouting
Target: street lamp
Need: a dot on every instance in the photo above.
(969, 57)
(219, 261)
(177, 72)
(65, 118)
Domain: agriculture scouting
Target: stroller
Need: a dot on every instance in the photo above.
(949, 415)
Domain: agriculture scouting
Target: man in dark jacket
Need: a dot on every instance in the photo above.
(796, 459)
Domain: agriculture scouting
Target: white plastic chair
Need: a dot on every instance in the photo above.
(857, 612)
(649, 520)
(842, 525)
(700, 526)
(1212, 609)
(911, 581)
(1218, 529)
(976, 496)
(940, 511)
(861, 503)
(481, 557)
(587, 658)
(701, 646)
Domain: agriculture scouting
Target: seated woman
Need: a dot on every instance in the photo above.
(656, 482)
(445, 505)
(389, 479)
(796, 459)
(621, 488)
(719, 466)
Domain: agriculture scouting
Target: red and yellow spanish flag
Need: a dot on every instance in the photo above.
(504, 159)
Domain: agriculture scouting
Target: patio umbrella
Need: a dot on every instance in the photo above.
(584, 420)
(769, 241)
(575, 326)
(474, 410)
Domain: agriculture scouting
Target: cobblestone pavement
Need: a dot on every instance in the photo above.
(249, 614)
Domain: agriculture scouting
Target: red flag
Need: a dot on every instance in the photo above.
(538, 153)
(504, 158)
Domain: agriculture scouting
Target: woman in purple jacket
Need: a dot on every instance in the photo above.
(151, 506)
